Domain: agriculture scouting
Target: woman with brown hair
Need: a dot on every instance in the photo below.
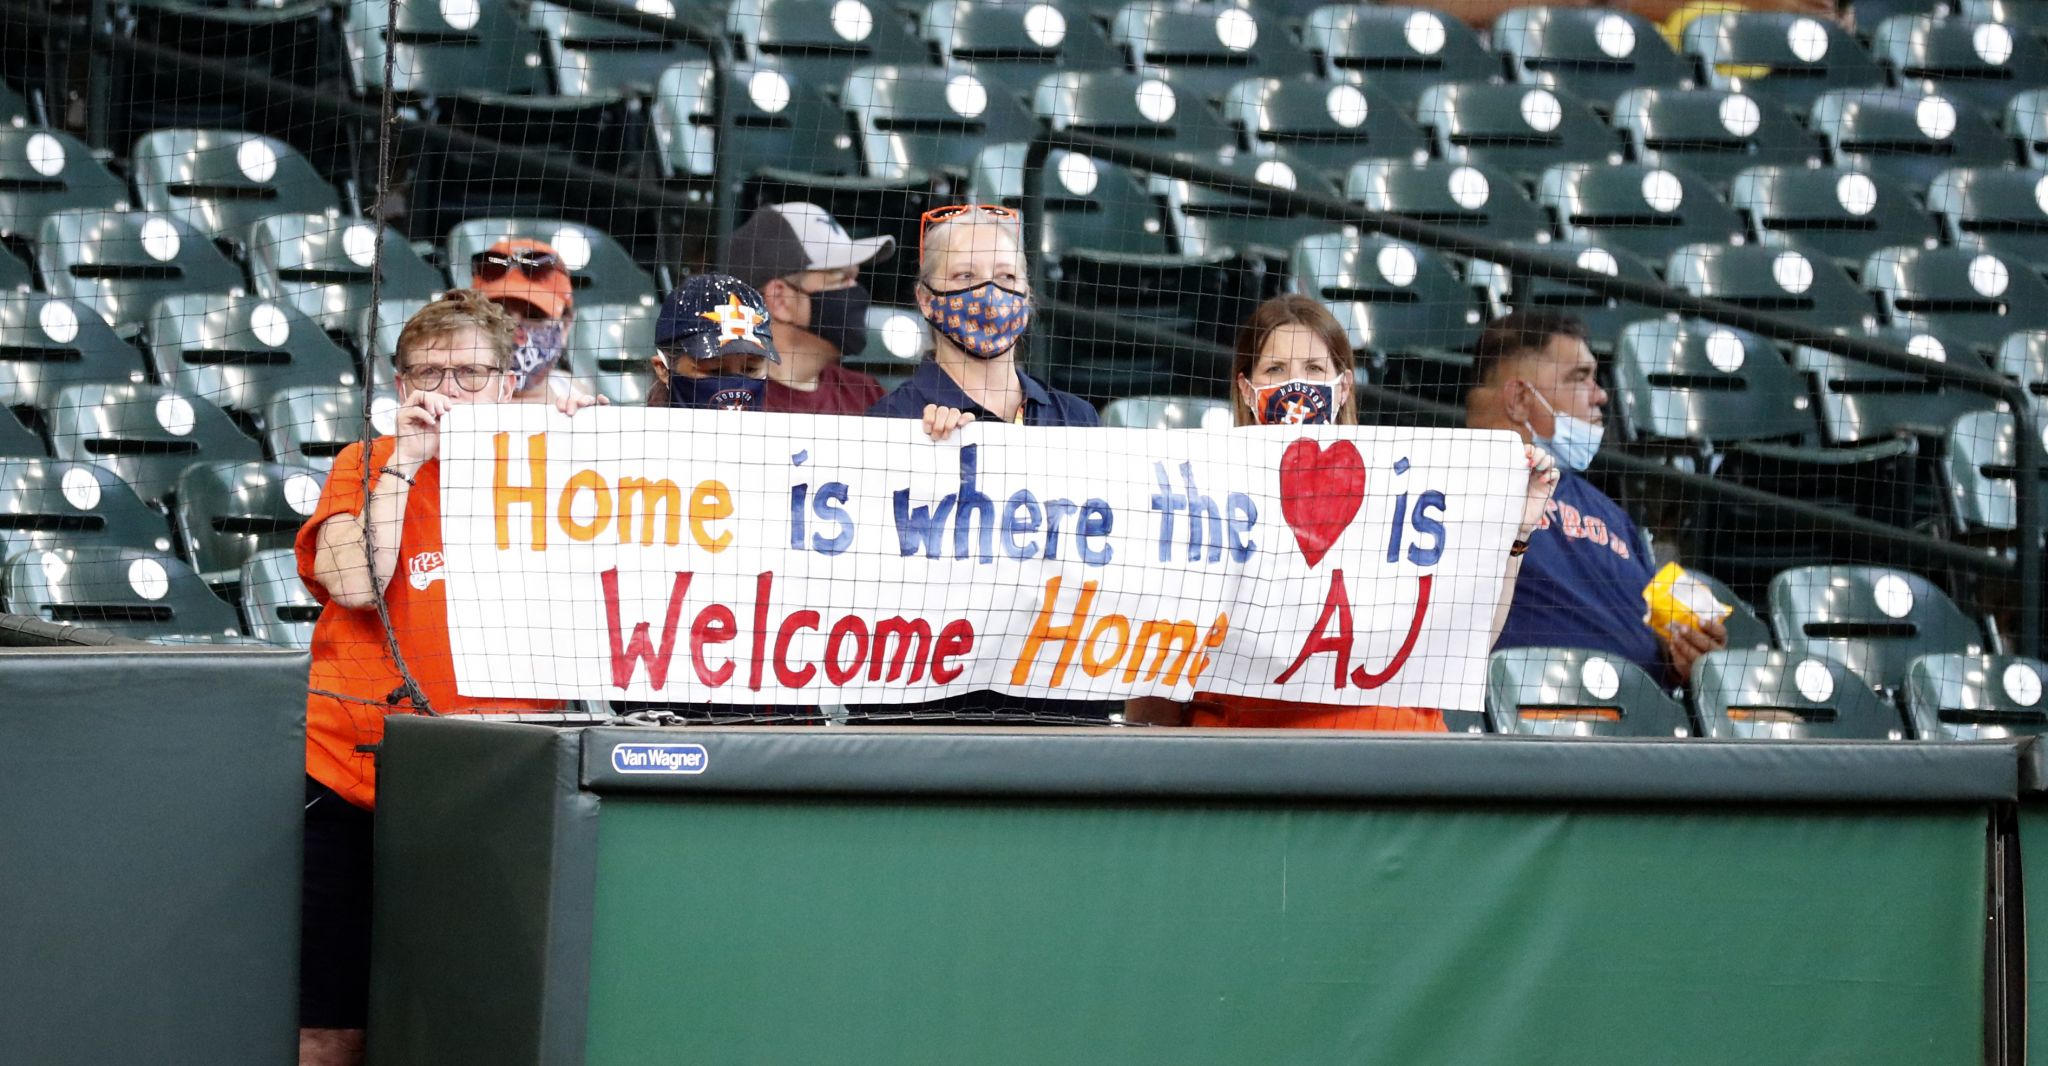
(1294, 366)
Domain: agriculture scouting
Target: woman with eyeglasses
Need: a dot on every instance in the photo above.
(377, 534)
(974, 289)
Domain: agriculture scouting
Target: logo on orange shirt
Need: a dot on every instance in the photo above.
(424, 569)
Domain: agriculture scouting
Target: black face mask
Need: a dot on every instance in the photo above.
(840, 318)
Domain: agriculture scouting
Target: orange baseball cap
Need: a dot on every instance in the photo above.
(526, 270)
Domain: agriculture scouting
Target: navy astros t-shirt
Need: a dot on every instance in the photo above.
(1582, 581)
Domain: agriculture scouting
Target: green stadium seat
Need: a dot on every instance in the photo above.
(2018, 14)
(15, 275)
(2026, 118)
(1905, 134)
(1205, 48)
(1978, 64)
(820, 42)
(1996, 208)
(1872, 619)
(1651, 211)
(1976, 697)
(921, 123)
(592, 56)
(601, 270)
(299, 42)
(1576, 692)
(1326, 126)
(1983, 470)
(611, 349)
(146, 434)
(1779, 56)
(1519, 129)
(1399, 51)
(443, 49)
(1968, 297)
(276, 606)
(1830, 212)
(1745, 629)
(48, 342)
(1604, 317)
(1592, 53)
(121, 263)
(1013, 45)
(2023, 357)
(1713, 133)
(311, 424)
(1147, 112)
(1479, 199)
(1168, 412)
(237, 352)
(1775, 281)
(120, 590)
(1209, 221)
(898, 338)
(1406, 312)
(226, 512)
(1684, 380)
(1760, 694)
(223, 182)
(321, 265)
(44, 171)
(46, 503)
(1860, 402)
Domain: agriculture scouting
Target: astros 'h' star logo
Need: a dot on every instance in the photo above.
(736, 321)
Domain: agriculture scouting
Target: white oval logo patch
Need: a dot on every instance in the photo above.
(1993, 43)
(1926, 347)
(1617, 38)
(384, 414)
(461, 14)
(1541, 110)
(1936, 117)
(1792, 272)
(852, 20)
(149, 579)
(966, 96)
(359, 243)
(1600, 678)
(1275, 173)
(1044, 24)
(160, 239)
(257, 160)
(1424, 33)
(175, 414)
(1740, 115)
(302, 492)
(1236, 29)
(1600, 261)
(59, 322)
(1079, 174)
(1663, 191)
(769, 90)
(81, 488)
(1808, 40)
(1814, 680)
(1396, 264)
(1725, 351)
(574, 248)
(45, 154)
(1470, 189)
(1347, 106)
(1156, 101)
(1989, 276)
(270, 325)
(1894, 597)
(2022, 684)
(1856, 193)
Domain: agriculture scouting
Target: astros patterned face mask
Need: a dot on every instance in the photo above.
(1297, 402)
(985, 320)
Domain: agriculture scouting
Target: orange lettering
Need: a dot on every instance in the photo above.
(505, 495)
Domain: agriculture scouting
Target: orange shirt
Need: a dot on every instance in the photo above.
(1248, 712)
(350, 655)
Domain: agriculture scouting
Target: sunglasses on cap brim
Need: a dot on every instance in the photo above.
(946, 214)
(493, 266)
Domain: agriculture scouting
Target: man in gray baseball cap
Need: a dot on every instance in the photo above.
(807, 268)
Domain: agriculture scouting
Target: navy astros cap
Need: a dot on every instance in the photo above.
(711, 315)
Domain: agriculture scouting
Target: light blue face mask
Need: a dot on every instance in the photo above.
(1573, 441)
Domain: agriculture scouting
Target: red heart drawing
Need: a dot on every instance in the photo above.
(1320, 493)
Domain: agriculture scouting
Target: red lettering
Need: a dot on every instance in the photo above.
(783, 637)
(1620, 546)
(763, 584)
(713, 625)
(1337, 604)
(955, 640)
(1573, 524)
(904, 630)
(639, 648)
(1363, 679)
(1596, 530)
(837, 670)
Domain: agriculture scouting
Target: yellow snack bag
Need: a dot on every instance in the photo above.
(1676, 598)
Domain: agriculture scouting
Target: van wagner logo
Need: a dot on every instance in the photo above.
(660, 758)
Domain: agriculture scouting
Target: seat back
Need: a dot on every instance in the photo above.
(2023, 357)
(1714, 133)
(1789, 58)
(1576, 692)
(1908, 135)
(44, 171)
(1011, 46)
(442, 49)
(779, 120)
(1976, 697)
(1995, 208)
(593, 56)
(226, 512)
(611, 349)
(924, 120)
(237, 352)
(2026, 118)
(1978, 64)
(1398, 50)
(1477, 198)
(1774, 281)
(1983, 469)
(1329, 127)
(49, 503)
(1130, 107)
(1872, 619)
(1829, 212)
(1168, 412)
(1593, 53)
(600, 269)
(121, 263)
(1091, 206)
(1969, 297)
(118, 590)
(224, 181)
(1860, 402)
(1762, 694)
(308, 425)
(276, 606)
(1516, 128)
(145, 434)
(1209, 222)
(820, 41)
(1205, 48)
(1695, 381)
(48, 342)
(1534, 290)
(1389, 295)
(1651, 211)
(322, 265)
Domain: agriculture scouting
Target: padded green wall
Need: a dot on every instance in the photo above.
(780, 931)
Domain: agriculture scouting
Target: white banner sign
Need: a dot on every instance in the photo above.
(716, 557)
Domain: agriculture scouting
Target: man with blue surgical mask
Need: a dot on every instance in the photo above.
(714, 345)
(1582, 581)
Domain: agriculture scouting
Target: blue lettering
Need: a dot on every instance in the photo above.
(1425, 526)
(919, 528)
(1205, 523)
(1096, 521)
(1395, 529)
(830, 505)
(1244, 514)
(796, 516)
(1165, 502)
(973, 502)
(1055, 510)
(1025, 504)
